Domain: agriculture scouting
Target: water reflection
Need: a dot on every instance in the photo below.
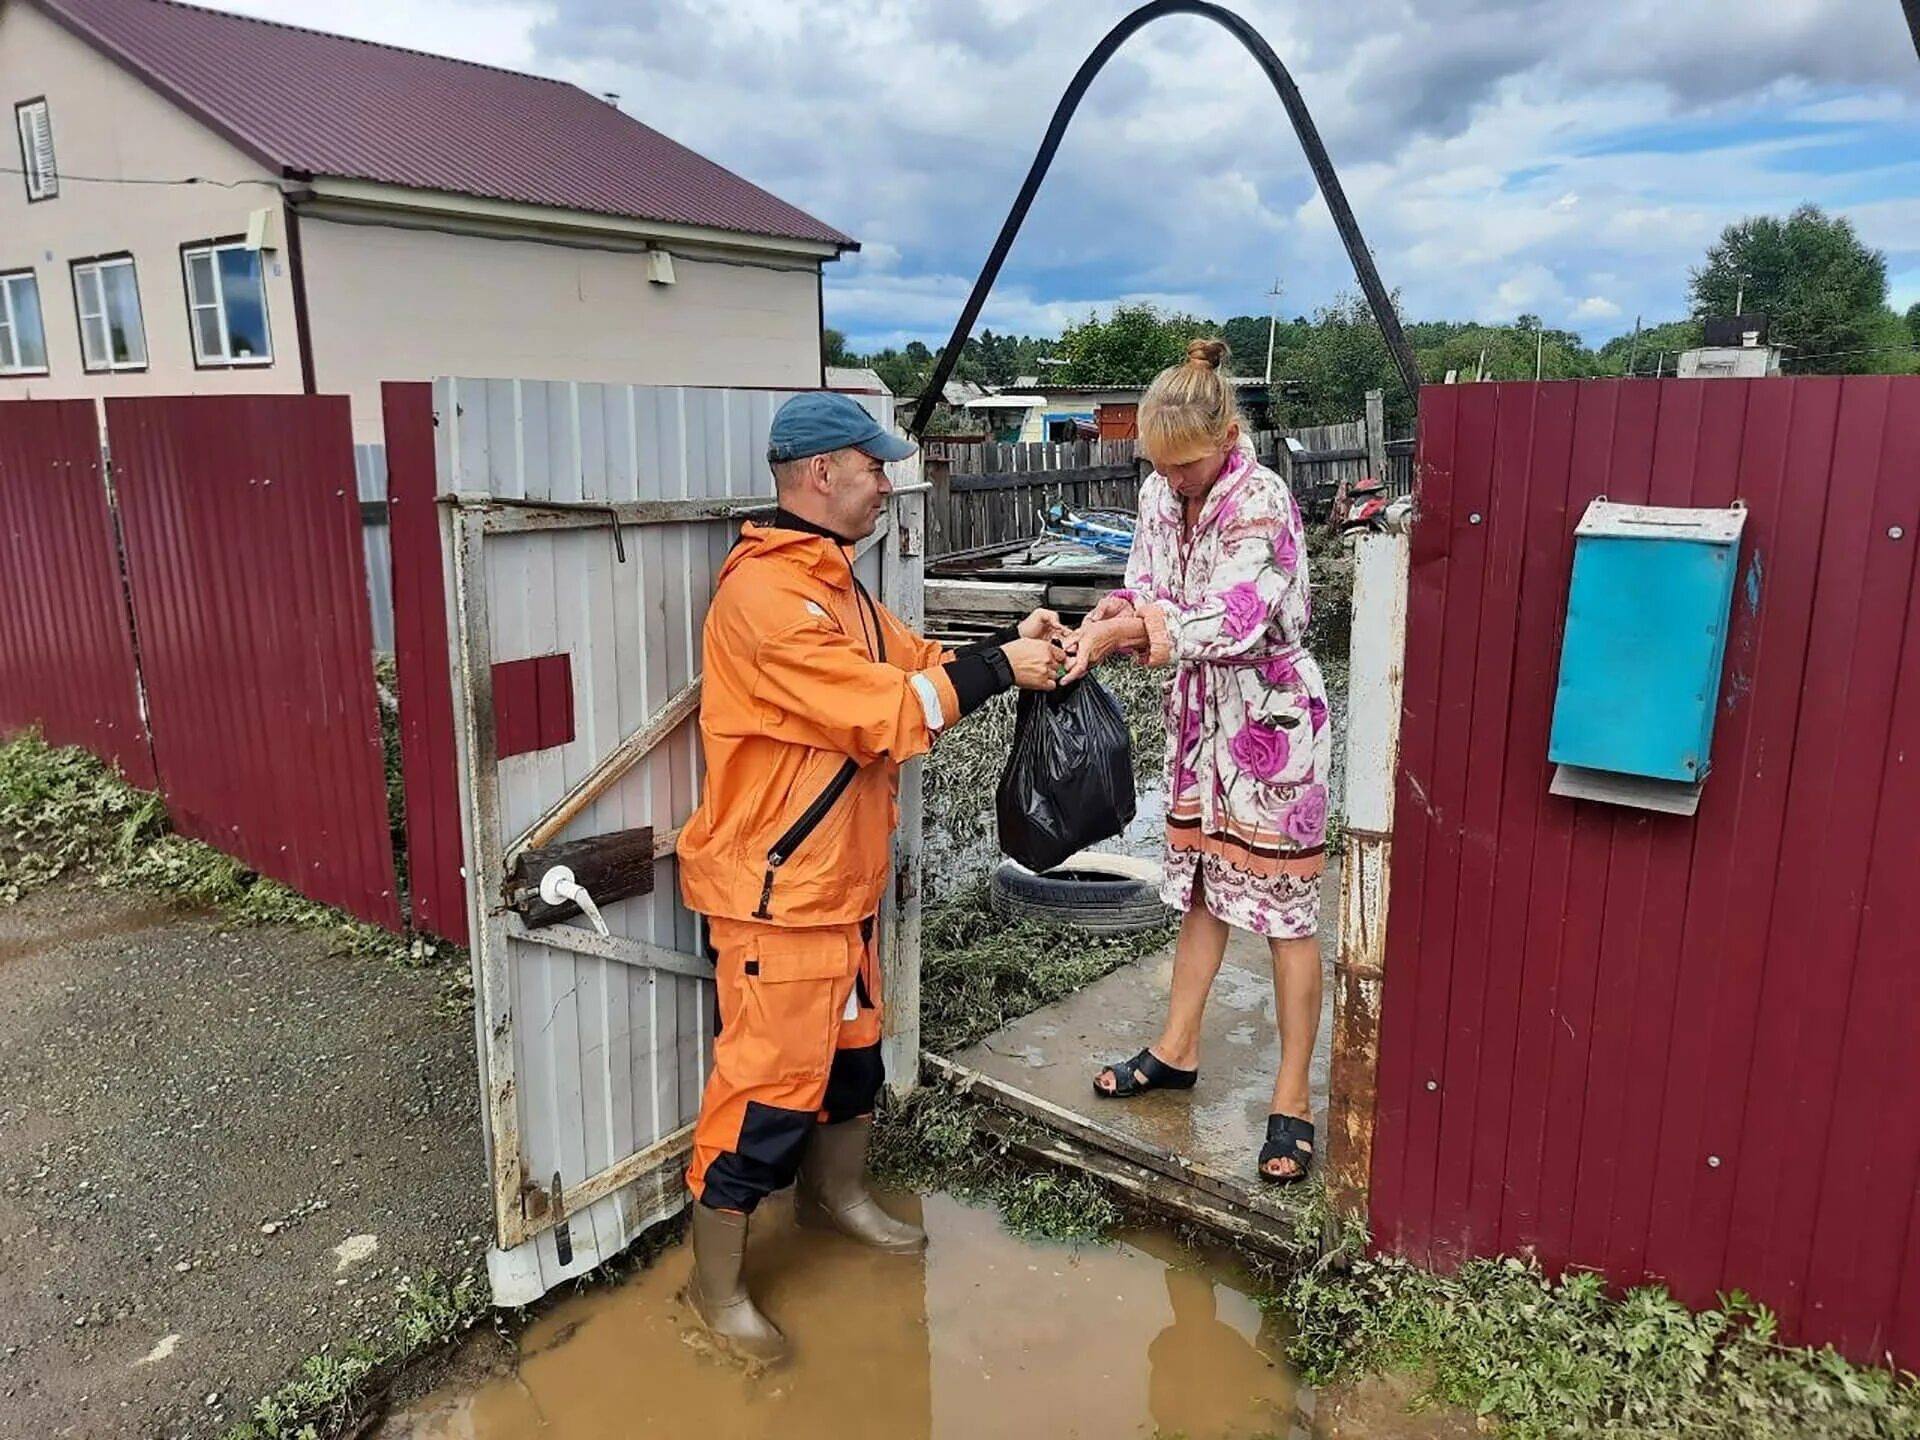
(983, 1336)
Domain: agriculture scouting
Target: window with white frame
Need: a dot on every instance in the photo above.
(112, 336)
(23, 332)
(35, 123)
(227, 305)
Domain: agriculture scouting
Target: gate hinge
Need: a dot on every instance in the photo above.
(910, 539)
(905, 882)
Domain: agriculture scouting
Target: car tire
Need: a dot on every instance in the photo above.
(1104, 893)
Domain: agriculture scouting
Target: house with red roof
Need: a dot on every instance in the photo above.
(196, 202)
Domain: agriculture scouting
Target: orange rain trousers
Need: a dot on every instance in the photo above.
(798, 1045)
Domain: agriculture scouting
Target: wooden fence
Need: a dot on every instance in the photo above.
(993, 494)
(971, 511)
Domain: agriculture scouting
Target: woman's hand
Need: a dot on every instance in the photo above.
(1043, 625)
(1096, 640)
(1111, 606)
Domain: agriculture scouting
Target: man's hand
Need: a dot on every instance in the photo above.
(1036, 663)
(1042, 625)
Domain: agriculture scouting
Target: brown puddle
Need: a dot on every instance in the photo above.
(984, 1336)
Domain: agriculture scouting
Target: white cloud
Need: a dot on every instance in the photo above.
(1500, 155)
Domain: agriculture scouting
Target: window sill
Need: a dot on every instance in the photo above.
(266, 364)
(24, 374)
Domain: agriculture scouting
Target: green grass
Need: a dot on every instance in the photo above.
(65, 816)
(327, 1393)
(1545, 1357)
(934, 1140)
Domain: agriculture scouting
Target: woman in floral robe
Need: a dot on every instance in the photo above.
(1217, 590)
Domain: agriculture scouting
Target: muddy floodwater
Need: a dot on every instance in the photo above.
(984, 1336)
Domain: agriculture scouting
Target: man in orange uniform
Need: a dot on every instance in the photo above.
(814, 696)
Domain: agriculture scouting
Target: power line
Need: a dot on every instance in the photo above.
(62, 177)
(1838, 354)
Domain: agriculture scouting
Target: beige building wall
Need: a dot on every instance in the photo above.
(394, 303)
(108, 124)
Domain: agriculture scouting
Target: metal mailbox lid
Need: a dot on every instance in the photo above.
(1662, 522)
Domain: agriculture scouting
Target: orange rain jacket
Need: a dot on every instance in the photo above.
(814, 696)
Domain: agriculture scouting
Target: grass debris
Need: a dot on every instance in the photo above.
(66, 816)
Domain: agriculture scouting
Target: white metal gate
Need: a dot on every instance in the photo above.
(591, 521)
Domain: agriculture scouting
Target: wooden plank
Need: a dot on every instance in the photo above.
(622, 758)
(1150, 1191)
(506, 515)
(985, 597)
(610, 868)
(1235, 1189)
(1376, 428)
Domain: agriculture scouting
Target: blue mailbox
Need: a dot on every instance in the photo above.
(1640, 663)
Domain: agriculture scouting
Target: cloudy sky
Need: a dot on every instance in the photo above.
(1570, 159)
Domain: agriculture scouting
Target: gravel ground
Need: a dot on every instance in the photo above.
(219, 1151)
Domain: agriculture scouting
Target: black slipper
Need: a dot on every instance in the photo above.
(1158, 1075)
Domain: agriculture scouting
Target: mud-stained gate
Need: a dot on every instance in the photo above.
(584, 528)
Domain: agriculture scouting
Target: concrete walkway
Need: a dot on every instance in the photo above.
(1213, 1131)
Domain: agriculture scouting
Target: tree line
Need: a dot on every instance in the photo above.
(1822, 289)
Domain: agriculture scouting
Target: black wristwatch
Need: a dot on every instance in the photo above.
(1002, 667)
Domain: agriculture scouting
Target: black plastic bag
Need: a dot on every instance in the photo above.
(1069, 781)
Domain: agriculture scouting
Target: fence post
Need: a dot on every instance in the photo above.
(1378, 658)
(1377, 435)
(939, 498)
(903, 591)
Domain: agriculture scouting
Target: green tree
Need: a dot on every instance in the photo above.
(1913, 321)
(1822, 289)
(1341, 357)
(833, 345)
(1656, 353)
(1129, 347)
(1512, 352)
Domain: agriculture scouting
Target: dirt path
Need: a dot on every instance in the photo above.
(219, 1151)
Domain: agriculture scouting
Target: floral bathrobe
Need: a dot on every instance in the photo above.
(1248, 749)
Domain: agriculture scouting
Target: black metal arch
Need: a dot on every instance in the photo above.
(1303, 126)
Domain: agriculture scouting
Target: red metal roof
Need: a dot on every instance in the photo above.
(309, 103)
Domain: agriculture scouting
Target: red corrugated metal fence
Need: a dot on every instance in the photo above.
(66, 643)
(1668, 1049)
(242, 532)
(436, 882)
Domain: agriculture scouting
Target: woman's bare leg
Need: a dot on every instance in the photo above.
(1296, 994)
(1196, 960)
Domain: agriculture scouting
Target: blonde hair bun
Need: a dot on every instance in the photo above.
(1211, 354)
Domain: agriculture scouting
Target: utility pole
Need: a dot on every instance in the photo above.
(1273, 320)
(1634, 354)
(1539, 352)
